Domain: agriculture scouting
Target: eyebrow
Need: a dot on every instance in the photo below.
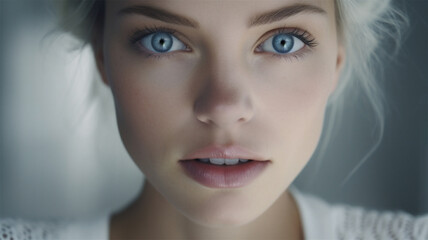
(285, 12)
(264, 18)
(159, 14)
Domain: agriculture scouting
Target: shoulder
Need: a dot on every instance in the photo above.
(19, 229)
(322, 220)
(358, 222)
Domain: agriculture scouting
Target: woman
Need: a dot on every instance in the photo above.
(222, 103)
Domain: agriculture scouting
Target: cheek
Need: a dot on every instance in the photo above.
(294, 95)
(151, 103)
(297, 89)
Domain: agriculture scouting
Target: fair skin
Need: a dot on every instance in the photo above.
(218, 87)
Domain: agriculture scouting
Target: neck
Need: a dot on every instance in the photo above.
(152, 217)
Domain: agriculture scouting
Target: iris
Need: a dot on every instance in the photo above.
(161, 42)
(283, 43)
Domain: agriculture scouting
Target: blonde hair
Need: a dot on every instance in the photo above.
(363, 25)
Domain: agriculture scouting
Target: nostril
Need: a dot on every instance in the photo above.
(242, 119)
(205, 120)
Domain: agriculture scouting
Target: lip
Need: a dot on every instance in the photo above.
(232, 151)
(223, 176)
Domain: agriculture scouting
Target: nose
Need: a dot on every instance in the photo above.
(225, 98)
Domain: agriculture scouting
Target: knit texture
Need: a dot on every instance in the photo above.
(357, 223)
(70, 229)
(320, 221)
(27, 230)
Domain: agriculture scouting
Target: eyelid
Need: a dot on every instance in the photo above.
(302, 35)
(140, 33)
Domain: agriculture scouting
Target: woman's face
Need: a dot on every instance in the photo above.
(187, 74)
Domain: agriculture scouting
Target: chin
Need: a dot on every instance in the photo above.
(227, 210)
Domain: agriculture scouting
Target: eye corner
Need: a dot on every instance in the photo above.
(258, 49)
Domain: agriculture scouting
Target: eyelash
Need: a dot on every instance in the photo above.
(138, 34)
(302, 35)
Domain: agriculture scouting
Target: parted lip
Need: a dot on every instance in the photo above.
(227, 152)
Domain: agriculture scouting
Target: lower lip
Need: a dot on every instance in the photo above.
(223, 176)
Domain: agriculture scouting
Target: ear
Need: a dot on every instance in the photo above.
(340, 63)
(98, 50)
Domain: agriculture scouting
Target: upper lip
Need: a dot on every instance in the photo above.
(227, 152)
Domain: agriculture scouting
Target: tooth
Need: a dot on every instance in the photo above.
(231, 161)
(205, 160)
(217, 161)
(243, 160)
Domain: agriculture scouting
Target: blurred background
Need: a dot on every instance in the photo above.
(60, 156)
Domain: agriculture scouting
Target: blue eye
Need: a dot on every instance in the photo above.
(282, 43)
(161, 42)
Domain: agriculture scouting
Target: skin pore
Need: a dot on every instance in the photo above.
(222, 83)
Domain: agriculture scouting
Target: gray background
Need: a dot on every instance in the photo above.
(58, 157)
(395, 177)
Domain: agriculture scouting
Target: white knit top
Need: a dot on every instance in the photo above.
(320, 221)
(324, 221)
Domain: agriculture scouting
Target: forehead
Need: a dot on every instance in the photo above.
(221, 12)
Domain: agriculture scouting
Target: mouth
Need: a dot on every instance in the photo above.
(217, 166)
(223, 172)
(223, 161)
